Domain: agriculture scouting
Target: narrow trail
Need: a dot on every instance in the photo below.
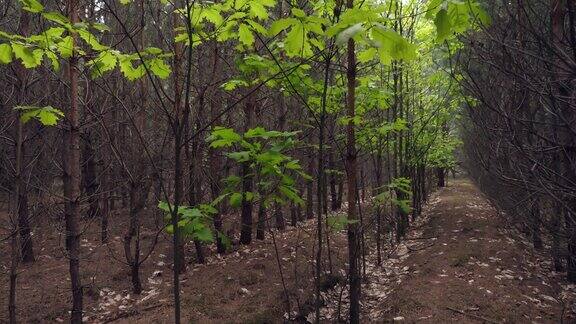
(465, 268)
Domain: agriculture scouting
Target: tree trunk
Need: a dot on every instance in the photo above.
(557, 214)
(332, 180)
(279, 217)
(72, 180)
(20, 190)
(535, 224)
(247, 181)
(261, 228)
(89, 176)
(309, 191)
(440, 173)
(353, 235)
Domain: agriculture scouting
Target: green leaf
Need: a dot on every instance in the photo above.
(106, 61)
(5, 53)
(480, 15)
(249, 196)
(91, 40)
(296, 42)
(291, 194)
(257, 10)
(125, 2)
(204, 234)
(245, 35)
(32, 6)
(257, 27)
(281, 25)
(129, 71)
(443, 28)
(163, 206)
(159, 68)
(47, 116)
(54, 60)
(101, 27)
(433, 7)
(56, 17)
(367, 55)
(298, 13)
(225, 240)
(459, 14)
(242, 156)
(233, 84)
(223, 137)
(213, 16)
(392, 46)
(65, 47)
(348, 33)
(30, 58)
(339, 222)
(236, 199)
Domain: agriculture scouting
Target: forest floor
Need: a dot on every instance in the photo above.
(469, 266)
(459, 263)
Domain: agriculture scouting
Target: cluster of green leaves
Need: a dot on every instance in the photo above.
(339, 222)
(454, 17)
(265, 153)
(57, 42)
(302, 33)
(236, 20)
(367, 25)
(193, 222)
(47, 116)
(151, 58)
(441, 152)
(255, 69)
(391, 193)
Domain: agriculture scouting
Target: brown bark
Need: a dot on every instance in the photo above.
(20, 190)
(247, 181)
(353, 229)
(72, 179)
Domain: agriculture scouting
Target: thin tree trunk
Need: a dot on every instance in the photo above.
(261, 227)
(333, 193)
(26, 244)
(72, 180)
(279, 217)
(309, 191)
(14, 256)
(247, 181)
(353, 235)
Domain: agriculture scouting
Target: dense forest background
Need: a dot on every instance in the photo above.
(135, 129)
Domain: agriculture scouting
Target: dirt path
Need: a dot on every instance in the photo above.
(466, 268)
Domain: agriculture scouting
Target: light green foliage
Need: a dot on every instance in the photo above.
(47, 116)
(193, 222)
(32, 6)
(264, 152)
(30, 57)
(369, 30)
(390, 194)
(454, 17)
(6, 54)
(300, 30)
(57, 43)
(339, 222)
(237, 20)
